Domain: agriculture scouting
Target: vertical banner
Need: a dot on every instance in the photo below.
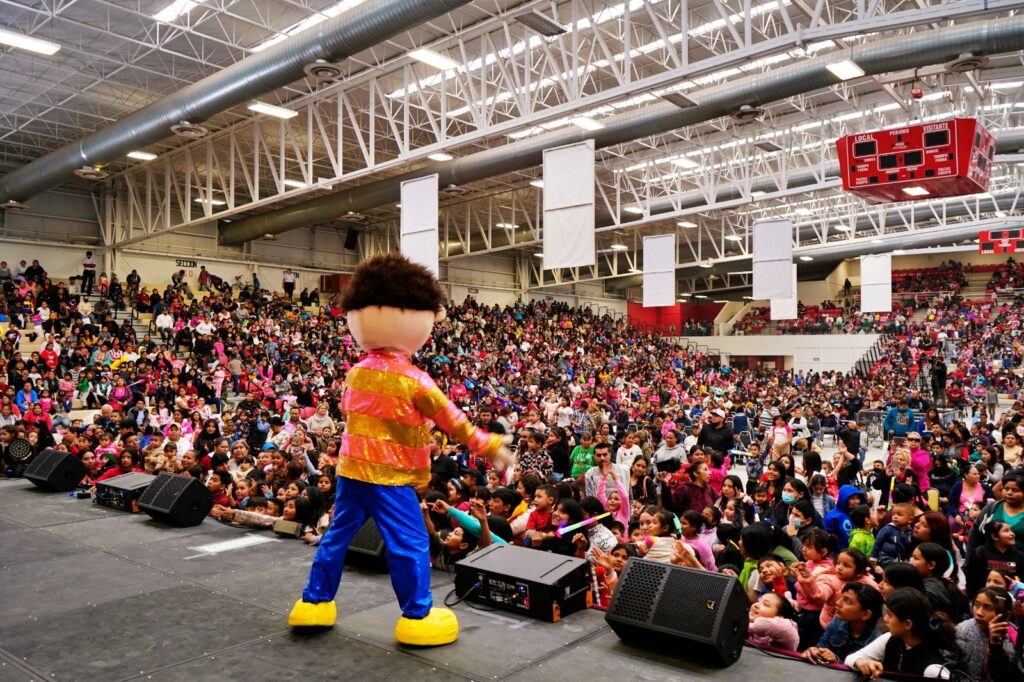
(773, 260)
(876, 283)
(786, 308)
(419, 222)
(659, 270)
(569, 206)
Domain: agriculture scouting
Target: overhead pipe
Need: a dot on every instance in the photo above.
(900, 53)
(332, 40)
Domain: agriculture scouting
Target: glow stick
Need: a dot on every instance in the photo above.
(561, 532)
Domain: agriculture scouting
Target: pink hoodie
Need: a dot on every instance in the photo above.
(825, 590)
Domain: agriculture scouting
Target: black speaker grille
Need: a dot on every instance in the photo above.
(162, 493)
(640, 593)
(45, 463)
(705, 596)
(367, 539)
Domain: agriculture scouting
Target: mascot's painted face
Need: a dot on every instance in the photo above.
(388, 328)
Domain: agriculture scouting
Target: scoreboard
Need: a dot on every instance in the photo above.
(944, 159)
(1001, 241)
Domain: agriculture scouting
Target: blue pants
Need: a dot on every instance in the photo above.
(396, 510)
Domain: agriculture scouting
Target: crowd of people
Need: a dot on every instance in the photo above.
(902, 559)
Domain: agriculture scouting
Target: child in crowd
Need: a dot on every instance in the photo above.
(998, 553)
(837, 522)
(825, 588)
(773, 623)
(817, 546)
(985, 630)
(935, 565)
(893, 541)
(918, 642)
(690, 525)
(857, 611)
(863, 523)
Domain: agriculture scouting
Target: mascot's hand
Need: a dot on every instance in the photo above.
(503, 457)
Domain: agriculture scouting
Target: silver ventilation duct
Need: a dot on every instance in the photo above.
(903, 52)
(337, 38)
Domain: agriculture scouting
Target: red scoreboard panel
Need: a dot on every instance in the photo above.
(1001, 241)
(944, 159)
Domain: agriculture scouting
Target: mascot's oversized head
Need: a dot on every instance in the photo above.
(392, 304)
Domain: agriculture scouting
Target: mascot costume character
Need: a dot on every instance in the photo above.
(389, 405)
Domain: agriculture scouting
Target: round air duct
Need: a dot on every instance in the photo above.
(190, 131)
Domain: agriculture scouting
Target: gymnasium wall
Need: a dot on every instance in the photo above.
(826, 352)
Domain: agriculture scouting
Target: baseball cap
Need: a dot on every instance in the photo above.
(719, 413)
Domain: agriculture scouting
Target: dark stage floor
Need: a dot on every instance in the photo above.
(88, 593)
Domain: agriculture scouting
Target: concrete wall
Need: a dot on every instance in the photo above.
(820, 352)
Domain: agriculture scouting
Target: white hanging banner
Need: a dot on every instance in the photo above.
(419, 241)
(876, 283)
(569, 206)
(786, 308)
(773, 260)
(659, 270)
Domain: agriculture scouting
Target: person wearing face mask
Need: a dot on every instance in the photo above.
(793, 490)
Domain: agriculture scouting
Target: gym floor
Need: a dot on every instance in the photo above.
(91, 593)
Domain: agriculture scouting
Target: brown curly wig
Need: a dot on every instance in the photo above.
(392, 280)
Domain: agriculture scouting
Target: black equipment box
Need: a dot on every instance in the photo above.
(540, 584)
(123, 492)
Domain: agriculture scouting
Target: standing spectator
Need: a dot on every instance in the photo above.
(288, 282)
(204, 278)
(88, 273)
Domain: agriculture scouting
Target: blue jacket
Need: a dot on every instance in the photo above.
(837, 521)
(900, 422)
(837, 639)
(891, 545)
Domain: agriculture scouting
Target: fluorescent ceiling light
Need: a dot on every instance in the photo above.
(298, 184)
(539, 184)
(24, 42)
(757, 193)
(507, 226)
(619, 247)
(685, 163)
(721, 301)
(803, 211)
(398, 206)
(308, 22)
(699, 296)
(706, 264)
(845, 70)
(915, 191)
(440, 156)
(587, 123)
(211, 202)
(633, 209)
(271, 110)
(431, 58)
(898, 252)
(686, 223)
(539, 254)
(806, 259)
(678, 99)
(734, 237)
(141, 156)
(175, 10)
(843, 228)
(541, 23)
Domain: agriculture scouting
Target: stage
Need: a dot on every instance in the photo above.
(90, 593)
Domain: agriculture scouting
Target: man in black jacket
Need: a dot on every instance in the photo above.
(716, 436)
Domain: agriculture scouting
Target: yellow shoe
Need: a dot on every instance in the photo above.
(438, 628)
(308, 615)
